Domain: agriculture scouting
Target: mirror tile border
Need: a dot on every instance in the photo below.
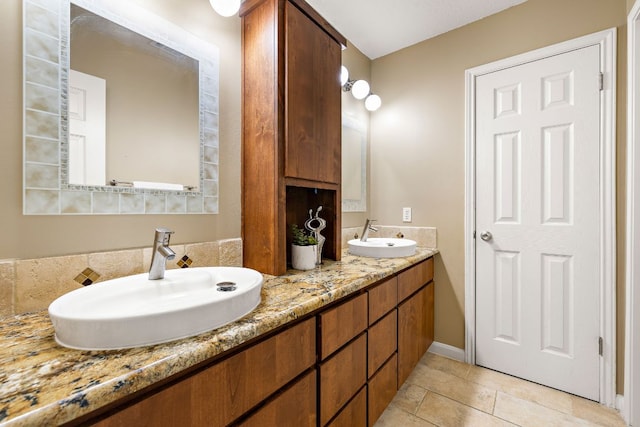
(45, 134)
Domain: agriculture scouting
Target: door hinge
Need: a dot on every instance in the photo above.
(600, 345)
(474, 234)
(601, 81)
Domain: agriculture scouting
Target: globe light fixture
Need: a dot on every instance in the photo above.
(225, 8)
(344, 75)
(360, 89)
(373, 102)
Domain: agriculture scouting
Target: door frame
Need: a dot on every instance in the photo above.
(632, 317)
(607, 41)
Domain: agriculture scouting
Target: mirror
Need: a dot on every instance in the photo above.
(148, 84)
(176, 127)
(354, 165)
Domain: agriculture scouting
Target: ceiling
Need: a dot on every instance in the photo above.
(380, 27)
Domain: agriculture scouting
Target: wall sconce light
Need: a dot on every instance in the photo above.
(225, 8)
(373, 102)
(360, 89)
(344, 75)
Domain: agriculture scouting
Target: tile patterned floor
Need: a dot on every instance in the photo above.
(444, 392)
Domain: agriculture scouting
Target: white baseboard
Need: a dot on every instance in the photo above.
(620, 403)
(447, 350)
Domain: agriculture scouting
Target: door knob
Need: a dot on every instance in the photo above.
(486, 236)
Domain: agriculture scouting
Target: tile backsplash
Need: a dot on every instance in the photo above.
(32, 284)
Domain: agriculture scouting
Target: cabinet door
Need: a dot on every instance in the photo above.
(313, 101)
(413, 333)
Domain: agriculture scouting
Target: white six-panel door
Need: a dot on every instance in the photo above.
(537, 211)
(87, 129)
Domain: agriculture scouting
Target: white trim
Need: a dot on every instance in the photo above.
(632, 320)
(620, 404)
(607, 42)
(470, 220)
(447, 350)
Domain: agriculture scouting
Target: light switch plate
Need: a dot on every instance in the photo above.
(406, 214)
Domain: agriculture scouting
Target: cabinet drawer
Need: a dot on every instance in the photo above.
(382, 341)
(341, 377)
(354, 414)
(382, 299)
(414, 278)
(382, 389)
(296, 406)
(223, 392)
(340, 324)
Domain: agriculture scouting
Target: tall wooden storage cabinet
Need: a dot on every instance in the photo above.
(291, 130)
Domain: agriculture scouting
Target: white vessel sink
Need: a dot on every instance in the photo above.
(381, 247)
(134, 311)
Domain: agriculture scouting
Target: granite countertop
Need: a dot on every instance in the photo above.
(43, 383)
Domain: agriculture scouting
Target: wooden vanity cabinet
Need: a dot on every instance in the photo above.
(291, 127)
(415, 316)
(222, 393)
(341, 366)
(371, 343)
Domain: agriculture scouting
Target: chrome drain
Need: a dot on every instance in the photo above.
(226, 286)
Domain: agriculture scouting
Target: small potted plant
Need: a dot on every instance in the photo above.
(304, 249)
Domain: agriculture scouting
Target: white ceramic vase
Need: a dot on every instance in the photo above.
(304, 257)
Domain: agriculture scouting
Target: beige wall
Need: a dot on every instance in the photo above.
(417, 137)
(39, 236)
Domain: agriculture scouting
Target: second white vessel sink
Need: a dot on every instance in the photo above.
(134, 311)
(382, 247)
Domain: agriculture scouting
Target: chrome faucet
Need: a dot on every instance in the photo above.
(161, 253)
(367, 227)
